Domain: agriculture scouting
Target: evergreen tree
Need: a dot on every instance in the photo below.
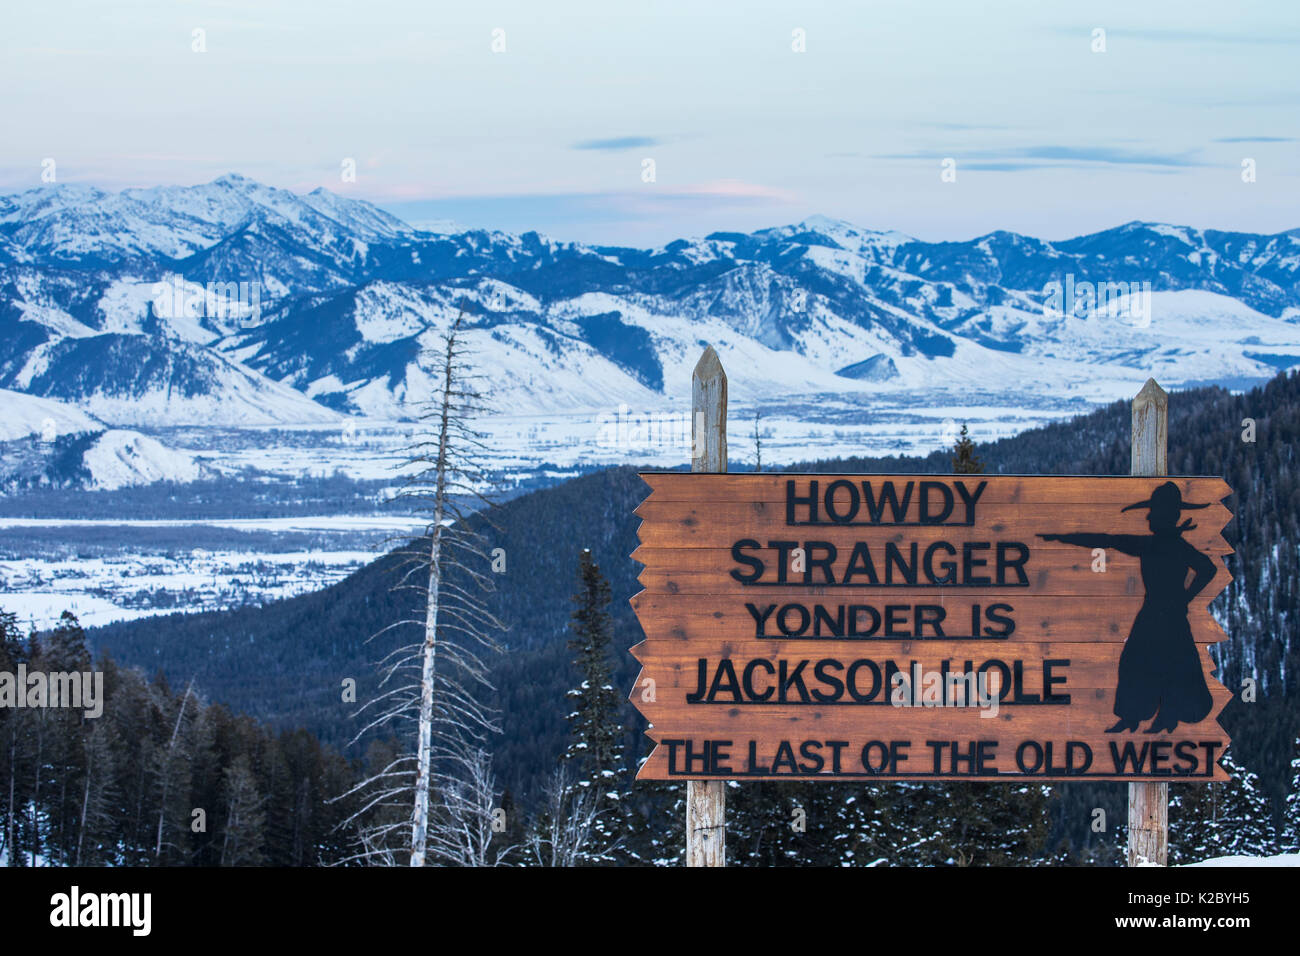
(63, 651)
(120, 789)
(245, 817)
(964, 460)
(799, 823)
(658, 831)
(1219, 819)
(595, 751)
(865, 831)
(172, 762)
(990, 824)
(1289, 834)
(97, 827)
(13, 774)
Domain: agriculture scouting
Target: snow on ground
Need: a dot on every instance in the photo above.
(653, 434)
(1282, 859)
(41, 609)
(125, 587)
(241, 397)
(340, 523)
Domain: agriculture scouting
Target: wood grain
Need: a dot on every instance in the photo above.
(706, 800)
(697, 617)
(694, 608)
(1117, 490)
(1148, 803)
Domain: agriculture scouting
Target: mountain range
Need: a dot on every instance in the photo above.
(236, 304)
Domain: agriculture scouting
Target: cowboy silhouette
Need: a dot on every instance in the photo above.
(1159, 668)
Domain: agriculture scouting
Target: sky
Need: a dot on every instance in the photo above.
(548, 116)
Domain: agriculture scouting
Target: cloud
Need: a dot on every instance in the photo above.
(1255, 139)
(1104, 154)
(618, 142)
(1077, 154)
(733, 189)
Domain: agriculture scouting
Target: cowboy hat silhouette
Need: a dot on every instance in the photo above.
(1165, 505)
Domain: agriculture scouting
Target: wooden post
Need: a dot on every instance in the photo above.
(706, 800)
(1148, 803)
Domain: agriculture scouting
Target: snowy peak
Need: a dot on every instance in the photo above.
(360, 217)
(231, 201)
(78, 222)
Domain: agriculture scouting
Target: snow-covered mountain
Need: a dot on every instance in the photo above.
(234, 303)
(47, 442)
(118, 458)
(30, 416)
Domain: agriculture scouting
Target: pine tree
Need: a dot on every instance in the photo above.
(964, 460)
(60, 769)
(1219, 819)
(120, 789)
(864, 832)
(595, 751)
(801, 823)
(172, 763)
(244, 829)
(98, 823)
(13, 651)
(1289, 834)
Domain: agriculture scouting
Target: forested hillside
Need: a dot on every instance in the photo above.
(285, 663)
(159, 777)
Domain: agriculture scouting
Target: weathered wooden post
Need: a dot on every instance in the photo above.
(1148, 803)
(706, 800)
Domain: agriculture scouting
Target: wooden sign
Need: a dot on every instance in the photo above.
(905, 627)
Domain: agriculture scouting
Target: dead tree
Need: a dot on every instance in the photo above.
(462, 831)
(565, 827)
(431, 688)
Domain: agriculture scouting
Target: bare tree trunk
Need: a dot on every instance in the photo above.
(36, 792)
(13, 774)
(167, 766)
(434, 680)
(63, 812)
(420, 815)
(232, 821)
(85, 803)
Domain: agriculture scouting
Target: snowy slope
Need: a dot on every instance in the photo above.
(22, 415)
(120, 458)
(139, 379)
